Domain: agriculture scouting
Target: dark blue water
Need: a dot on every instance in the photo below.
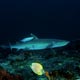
(46, 19)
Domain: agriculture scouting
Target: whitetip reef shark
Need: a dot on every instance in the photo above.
(34, 43)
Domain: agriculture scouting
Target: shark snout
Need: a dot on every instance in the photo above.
(60, 44)
(64, 43)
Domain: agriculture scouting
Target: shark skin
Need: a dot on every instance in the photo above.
(40, 44)
(34, 43)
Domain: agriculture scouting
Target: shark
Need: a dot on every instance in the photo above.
(35, 43)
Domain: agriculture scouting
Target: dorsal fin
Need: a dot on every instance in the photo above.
(27, 39)
(35, 37)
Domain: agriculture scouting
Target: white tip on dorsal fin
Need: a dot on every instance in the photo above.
(27, 39)
(35, 37)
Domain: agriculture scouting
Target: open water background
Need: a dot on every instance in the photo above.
(47, 19)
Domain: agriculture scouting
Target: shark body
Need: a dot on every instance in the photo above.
(34, 43)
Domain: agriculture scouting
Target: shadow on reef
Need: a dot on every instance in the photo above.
(59, 63)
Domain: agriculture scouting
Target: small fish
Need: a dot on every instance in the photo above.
(37, 68)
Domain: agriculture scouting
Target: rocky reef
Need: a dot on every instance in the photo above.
(58, 64)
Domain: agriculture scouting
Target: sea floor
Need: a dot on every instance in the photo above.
(58, 64)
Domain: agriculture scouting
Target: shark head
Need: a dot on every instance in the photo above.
(60, 43)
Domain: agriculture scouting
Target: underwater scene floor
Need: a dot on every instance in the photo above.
(49, 64)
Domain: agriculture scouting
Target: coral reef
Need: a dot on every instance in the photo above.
(59, 63)
(4, 75)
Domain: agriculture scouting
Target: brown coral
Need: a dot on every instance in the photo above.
(4, 75)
